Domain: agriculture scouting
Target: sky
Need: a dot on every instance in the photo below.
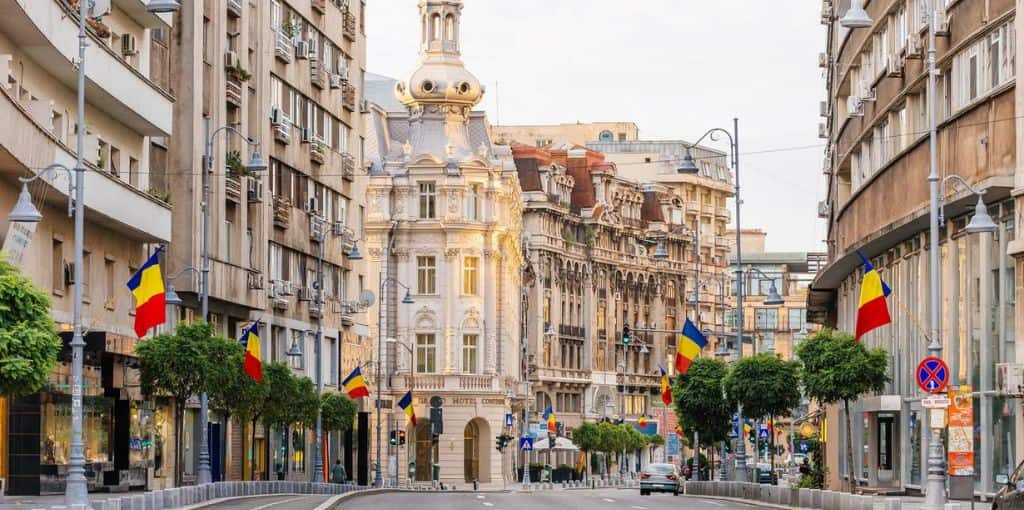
(674, 67)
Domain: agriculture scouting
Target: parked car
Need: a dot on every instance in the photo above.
(765, 474)
(1011, 490)
(660, 478)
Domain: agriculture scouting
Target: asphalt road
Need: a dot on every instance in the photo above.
(293, 502)
(540, 500)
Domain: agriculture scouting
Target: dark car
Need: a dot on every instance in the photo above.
(765, 474)
(660, 478)
(1011, 490)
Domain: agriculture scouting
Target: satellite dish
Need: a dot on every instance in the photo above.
(366, 297)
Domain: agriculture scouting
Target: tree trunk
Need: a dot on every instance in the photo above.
(179, 418)
(252, 450)
(771, 420)
(266, 442)
(849, 449)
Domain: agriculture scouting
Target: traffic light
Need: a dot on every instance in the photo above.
(501, 442)
(625, 334)
(393, 437)
(401, 437)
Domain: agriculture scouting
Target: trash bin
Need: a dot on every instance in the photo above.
(437, 472)
(412, 471)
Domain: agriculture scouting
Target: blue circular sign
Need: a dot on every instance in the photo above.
(932, 375)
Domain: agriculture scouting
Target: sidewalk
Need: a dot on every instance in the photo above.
(30, 502)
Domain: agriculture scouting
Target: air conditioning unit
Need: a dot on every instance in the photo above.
(343, 72)
(822, 60)
(287, 288)
(823, 109)
(305, 294)
(824, 209)
(316, 228)
(128, 45)
(364, 106)
(311, 52)
(942, 27)
(230, 59)
(854, 107)
(823, 130)
(312, 205)
(306, 135)
(826, 12)
(255, 280)
(335, 81)
(301, 49)
(865, 91)
(915, 45)
(276, 116)
(69, 274)
(254, 190)
(338, 229)
(894, 68)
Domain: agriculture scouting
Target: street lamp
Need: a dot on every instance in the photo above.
(171, 297)
(407, 300)
(255, 164)
(689, 167)
(163, 6)
(773, 298)
(856, 17)
(412, 386)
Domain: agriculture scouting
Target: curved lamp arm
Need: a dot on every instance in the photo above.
(942, 194)
(175, 276)
(713, 133)
(234, 131)
(47, 170)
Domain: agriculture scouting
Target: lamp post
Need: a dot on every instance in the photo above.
(171, 297)
(689, 167)
(407, 300)
(255, 164)
(412, 385)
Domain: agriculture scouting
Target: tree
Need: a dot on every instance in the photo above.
(28, 342)
(290, 400)
(338, 411)
(587, 438)
(701, 403)
(232, 392)
(176, 365)
(610, 440)
(836, 368)
(766, 387)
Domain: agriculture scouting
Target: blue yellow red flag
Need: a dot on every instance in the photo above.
(355, 384)
(872, 309)
(690, 343)
(147, 285)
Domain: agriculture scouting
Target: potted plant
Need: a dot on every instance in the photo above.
(233, 162)
(239, 73)
(101, 29)
(288, 27)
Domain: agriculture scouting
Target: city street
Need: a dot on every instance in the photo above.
(553, 500)
(285, 502)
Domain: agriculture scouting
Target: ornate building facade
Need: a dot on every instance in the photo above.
(443, 230)
(603, 252)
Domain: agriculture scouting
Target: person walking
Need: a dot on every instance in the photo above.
(338, 474)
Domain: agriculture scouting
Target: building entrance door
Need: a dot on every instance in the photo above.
(886, 448)
(422, 454)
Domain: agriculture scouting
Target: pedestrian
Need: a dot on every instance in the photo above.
(338, 474)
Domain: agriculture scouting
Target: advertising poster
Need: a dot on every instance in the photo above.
(961, 432)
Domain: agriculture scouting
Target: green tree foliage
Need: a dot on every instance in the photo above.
(28, 343)
(176, 365)
(587, 438)
(837, 368)
(700, 400)
(338, 411)
(233, 393)
(764, 385)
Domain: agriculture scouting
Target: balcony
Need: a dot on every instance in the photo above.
(348, 96)
(233, 91)
(284, 50)
(110, 202)
(572, 331)
(317, 74)
(282, 130)
(48, 33)
(233, 186)
(563, 375)
(282, 212)
(348, 167)
(320, 6)
(693, 207)
(235, 8)
(448, 383)
(648, 380)
(348, 26)
(317, 152)
(722, 212)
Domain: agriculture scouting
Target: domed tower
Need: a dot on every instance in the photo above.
(440, 92)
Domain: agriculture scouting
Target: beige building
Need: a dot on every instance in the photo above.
(286, 74)
(877, 164)
(580, 132)
(128, 117)
(443, 228)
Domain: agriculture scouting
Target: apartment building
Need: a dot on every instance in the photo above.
(443, 230)
(540, 135)
(603, 252)
(286, 75)
(128, 117)
(876, 125)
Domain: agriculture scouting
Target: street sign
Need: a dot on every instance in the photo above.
(935, 402)
(932, 375)
(672, 443)
(762, 433)
(508, 419)
(804, 447)
(526, 444)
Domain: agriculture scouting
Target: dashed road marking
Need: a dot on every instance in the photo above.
(488, 503)
(639, 507)
(481, 497)
(275, 503)
(608, 500)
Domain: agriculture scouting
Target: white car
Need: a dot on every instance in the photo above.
(660, 478)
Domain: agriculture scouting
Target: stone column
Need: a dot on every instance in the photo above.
(588, 319)
(489, 274)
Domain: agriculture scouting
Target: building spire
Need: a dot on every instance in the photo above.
(439, 21)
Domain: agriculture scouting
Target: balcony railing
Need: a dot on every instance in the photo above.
(348, 96)
(566, 375)
(573, 331)
(282, 212)
(348, 167)
(317, 74)
(283, 47)
(449, 382)
(317, 152)
(233, 91)
(233, 186)
(348, 27)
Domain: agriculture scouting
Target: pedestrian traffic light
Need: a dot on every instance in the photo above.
(401, 437)
(393, 437)
(501, 442)
(625, 334)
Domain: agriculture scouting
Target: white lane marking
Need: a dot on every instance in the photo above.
(639, 507)
(268, 505)
(481, 497)
(608, 500)
(488, 503)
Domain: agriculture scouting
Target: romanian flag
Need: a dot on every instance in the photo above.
(253, 363)
(666, 389)
(872, 311)
(549, 416)
(642, 421)
(406, 404)
(688, 347)
(147, 285)
(355, 385)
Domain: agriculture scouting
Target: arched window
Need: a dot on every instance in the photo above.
(449, 27)
(435, 27)
(424, 29)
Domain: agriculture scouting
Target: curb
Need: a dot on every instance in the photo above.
(745, 501)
